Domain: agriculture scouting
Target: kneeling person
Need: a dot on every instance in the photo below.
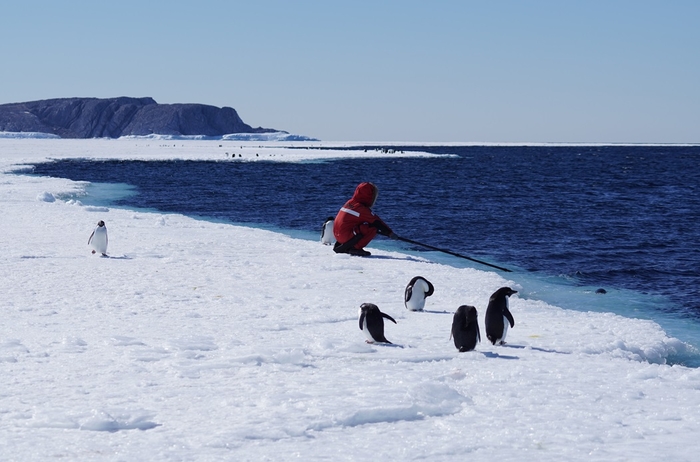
(356, 225)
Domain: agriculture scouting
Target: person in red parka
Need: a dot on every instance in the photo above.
(356, 225)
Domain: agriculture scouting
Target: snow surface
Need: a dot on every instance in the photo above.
(207, 341)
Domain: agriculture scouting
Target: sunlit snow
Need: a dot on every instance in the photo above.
(196, 340)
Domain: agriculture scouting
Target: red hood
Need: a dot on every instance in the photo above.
(365, 194)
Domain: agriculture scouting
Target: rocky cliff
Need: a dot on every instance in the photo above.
(115, 117)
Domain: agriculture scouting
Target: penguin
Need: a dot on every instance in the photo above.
(98, 239)
(498, 316)
(465, 328)
(372, 324)
(327, 237)
(416, 291)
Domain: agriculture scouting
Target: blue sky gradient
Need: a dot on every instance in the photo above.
(438, 71)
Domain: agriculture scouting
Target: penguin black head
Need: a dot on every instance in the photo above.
(100, 223)
(368, 307)
(503, 292)
(465, 314)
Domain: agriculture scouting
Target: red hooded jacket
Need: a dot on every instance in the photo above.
(356, 217)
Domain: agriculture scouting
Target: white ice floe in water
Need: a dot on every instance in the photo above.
(207, 341)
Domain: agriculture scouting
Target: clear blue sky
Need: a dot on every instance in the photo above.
(470, 71)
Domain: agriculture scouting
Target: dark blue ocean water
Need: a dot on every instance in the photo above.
(566, 219)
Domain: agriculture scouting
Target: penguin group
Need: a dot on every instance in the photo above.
(465, 325)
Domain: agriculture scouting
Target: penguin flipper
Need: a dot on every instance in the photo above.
(509, 317)
(90, 238)
(362, 318)
(388, 317)
(408, 294)
(431, 288)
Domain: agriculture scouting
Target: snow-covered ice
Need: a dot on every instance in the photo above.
(196, 340)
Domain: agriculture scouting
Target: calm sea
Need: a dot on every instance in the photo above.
(566, 219)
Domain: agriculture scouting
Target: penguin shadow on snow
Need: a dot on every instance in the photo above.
(116, 257)
(389, 257)
(527, 347)
(493, 354)
(388, 345)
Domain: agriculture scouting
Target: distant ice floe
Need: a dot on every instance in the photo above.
(276, 136)
(273, 136)
(91, 208)
(32, 135)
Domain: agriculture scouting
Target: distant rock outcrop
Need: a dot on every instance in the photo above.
(124, 116)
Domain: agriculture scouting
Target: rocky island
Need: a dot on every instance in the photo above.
(123, 116)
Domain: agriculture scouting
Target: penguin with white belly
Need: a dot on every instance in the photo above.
(327, 237)
(98, 239)
(372, 323)
(416, 292)
(498, 316)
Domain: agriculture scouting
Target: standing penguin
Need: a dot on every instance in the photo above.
(498, 316)
(98, 239)
(465, 328)
(327, 237)
(416, 292)
(372, 324)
